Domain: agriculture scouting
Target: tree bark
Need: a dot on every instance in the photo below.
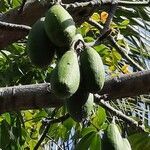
(36, 96)
(127, 85)
(27, 97)
(34, 9)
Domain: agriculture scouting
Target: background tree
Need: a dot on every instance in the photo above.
(31, 116)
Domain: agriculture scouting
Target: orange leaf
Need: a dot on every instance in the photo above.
(103, 16)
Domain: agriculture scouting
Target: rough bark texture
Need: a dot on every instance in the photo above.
(40, 96)
(35, 9)
(127, 85)
(27, 97)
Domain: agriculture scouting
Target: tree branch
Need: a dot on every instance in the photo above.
(111, 13)
(120, 49)
(36, 96)
(27, 97)
(32, 10)
(118, 113)
(127, 85)
(11, 26)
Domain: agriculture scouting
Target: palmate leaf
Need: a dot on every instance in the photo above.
(139, 16)
(137, 32)
(140, 12)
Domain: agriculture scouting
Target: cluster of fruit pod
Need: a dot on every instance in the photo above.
(113, 139)
(77, 75)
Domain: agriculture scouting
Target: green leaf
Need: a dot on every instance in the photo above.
(4, 132)
(85, 28)
(124, 24)
(116, 55)
(96, 143)
(41, 114)
(69, 123)
(32, 144)
(88, 39)
(140, 141)
(87, 131)
(7, 117)
(99, 118)
(96, 17)
(85, 142)
(16, 3)
(102, 49)
(25, 135)
(3, 5)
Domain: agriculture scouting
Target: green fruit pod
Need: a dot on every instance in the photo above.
(65, 77)
(114, 137)
(126, 144)
(92, 70)
(40, 49)
(59, 26)
(80, 105)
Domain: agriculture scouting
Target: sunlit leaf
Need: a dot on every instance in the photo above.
(99, 118)
(95, 17)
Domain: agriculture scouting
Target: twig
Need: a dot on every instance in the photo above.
(97, 3)
(111, 13)
(120, 49)
(134, 4)
(117, 112)
(54, 142)
(60, 119)
(91, 3)
(12, 26)
(22, 6)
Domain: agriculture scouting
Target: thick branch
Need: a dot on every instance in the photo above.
(27, 97)
(34, 9)
(40, 96)
(11, 26)
(127, 85)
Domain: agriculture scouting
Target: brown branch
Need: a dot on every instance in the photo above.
(134, 4)
(21, 6)
(27, 97)
(33, 10)
(127, 85)
(118, 113)
(17, 27)
(36, 96)
(111, 12)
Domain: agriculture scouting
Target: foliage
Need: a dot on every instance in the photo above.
(22, 130)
